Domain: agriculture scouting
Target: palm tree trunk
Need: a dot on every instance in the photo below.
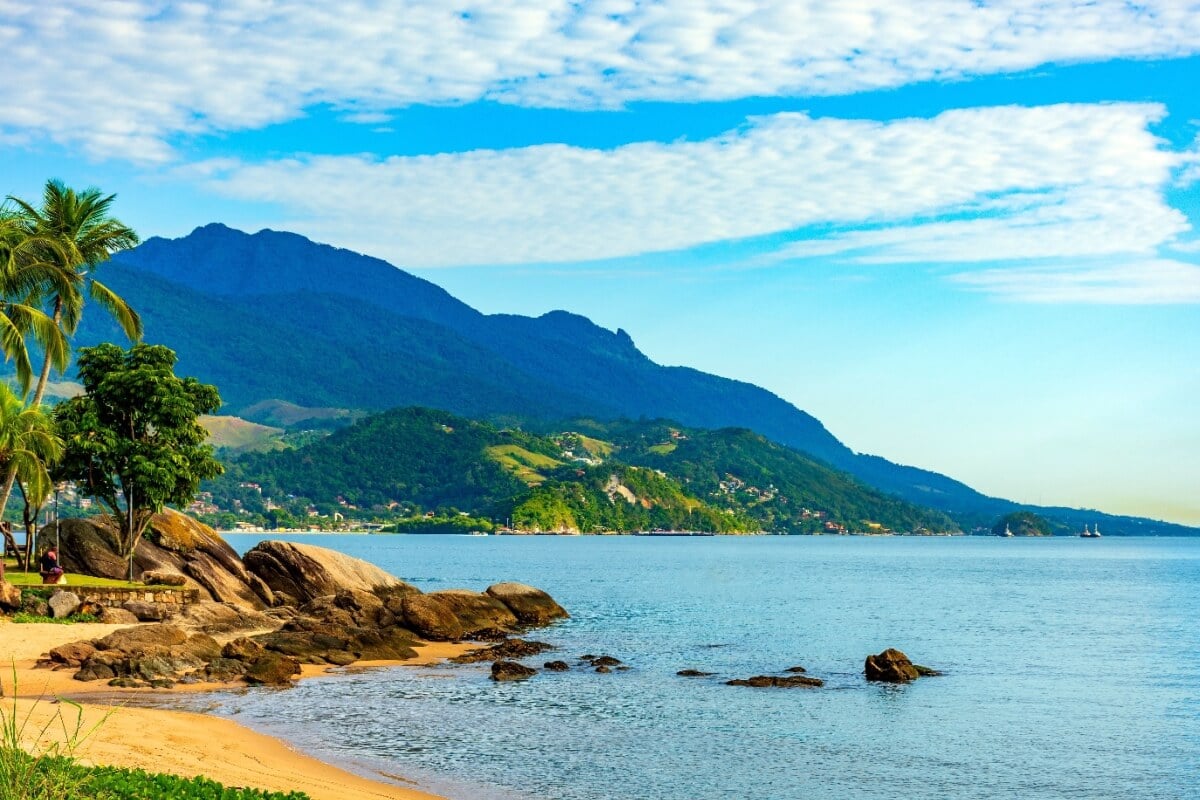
(43, 379)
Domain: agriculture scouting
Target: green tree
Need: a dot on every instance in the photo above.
(23, 270)
(133, 440)
(28, 447)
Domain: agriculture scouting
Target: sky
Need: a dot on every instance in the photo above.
(962, 234)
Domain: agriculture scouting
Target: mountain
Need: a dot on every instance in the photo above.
(639, 476)
(274, 317)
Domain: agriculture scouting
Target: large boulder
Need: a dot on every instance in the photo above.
(892, 666)
(776, 681)
(142, 636)
(430, 618)
(272, 669)
(529, 605)
(511, 671)
(305, 572)
(63, 604)
(476, 611)
(174, 545)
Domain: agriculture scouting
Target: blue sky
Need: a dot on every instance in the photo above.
(961, 234)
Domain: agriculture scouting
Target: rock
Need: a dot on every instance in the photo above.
(10, 596)
(890, 666)
(349, 607)
(505, 651)
(602, 661)
(117, 616)
(776, 681)
(150, 612)
(34, 605)
(162, 683)
(306, 572)
(224, 670)
(63, 604)
(272, 669)
(430, 618)
(604, 669)
(242, 649)
(511, 671)
(796, 669)
(162, 577)
(529, 605)
(201, 646)
(557, 666)
(212, 617)
(95, 672)
(476, 611)
(175, 546)
(487, 635)
(926, 672)
(73, 654)
(127, 683)
(133, 639)
(693, 673)
(89, 609)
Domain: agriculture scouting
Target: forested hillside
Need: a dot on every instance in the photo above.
(412, 462)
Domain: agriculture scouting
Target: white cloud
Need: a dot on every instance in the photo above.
(125, 78)
(1057, 181)
(1146, 282)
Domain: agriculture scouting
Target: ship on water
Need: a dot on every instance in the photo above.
(1094, 533)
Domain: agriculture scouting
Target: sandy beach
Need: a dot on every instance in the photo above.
(177, 742)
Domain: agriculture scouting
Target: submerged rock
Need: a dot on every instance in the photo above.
(777, 681)
(556, 666)
(693, 673)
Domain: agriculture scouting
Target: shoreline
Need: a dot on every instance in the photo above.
(184, 743)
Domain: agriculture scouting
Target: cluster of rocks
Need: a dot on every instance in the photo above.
(293, 604)
(890, 666)
(508, 670)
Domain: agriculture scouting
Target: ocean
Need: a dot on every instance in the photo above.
(1072, 670)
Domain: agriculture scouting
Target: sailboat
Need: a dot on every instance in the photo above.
(1007, 531)
(1092, 534)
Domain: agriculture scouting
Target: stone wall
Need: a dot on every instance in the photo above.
(116, 597)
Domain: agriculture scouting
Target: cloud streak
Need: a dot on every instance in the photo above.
(131, 80)
(988, 184)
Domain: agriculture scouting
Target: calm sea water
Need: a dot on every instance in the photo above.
(1072, 671)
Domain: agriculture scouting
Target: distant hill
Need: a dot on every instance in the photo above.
(272, 317)
(236, 435)
(631, 476)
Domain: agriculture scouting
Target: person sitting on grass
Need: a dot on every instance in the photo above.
(50, 570)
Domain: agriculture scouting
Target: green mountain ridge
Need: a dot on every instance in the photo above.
(585, 477)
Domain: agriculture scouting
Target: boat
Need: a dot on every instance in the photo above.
(1008, 534)
(1092, 534)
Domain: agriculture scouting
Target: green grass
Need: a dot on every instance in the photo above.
(522, 463)
(22, 618)
(32, 578)
(595, 447)
(663, 449)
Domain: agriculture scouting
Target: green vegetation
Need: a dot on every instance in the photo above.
(399, 466)
(236, 435)
(1026, 523)
(133, 440)
(522, 463)
(23, 618)
(459, 523)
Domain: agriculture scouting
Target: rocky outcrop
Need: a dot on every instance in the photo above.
(223, 618)
(476, 611)
(892, 666)
(511, 671)
(429, 617)
(304, 572)
(529, 605)
(556, 666)
(175, 547)
(777, 681)
(692, 673)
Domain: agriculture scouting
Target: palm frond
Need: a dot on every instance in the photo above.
(114, 304)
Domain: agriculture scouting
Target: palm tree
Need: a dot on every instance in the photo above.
(28, 445)
(22, 273)
(73, 234)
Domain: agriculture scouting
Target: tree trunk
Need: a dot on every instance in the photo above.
(43, 379)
